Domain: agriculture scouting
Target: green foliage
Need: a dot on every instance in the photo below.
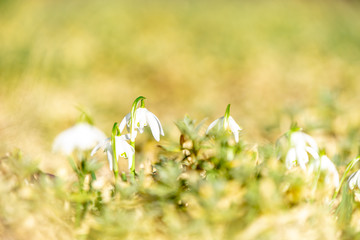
(199, 187)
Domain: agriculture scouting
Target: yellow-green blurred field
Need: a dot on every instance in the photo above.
(275, 62)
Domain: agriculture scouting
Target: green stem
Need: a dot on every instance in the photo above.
(132, 129)
(132, 168)
(347, 170)
(142, 103)
(113, 145)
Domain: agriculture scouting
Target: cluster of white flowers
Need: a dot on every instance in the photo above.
(84, 136)
(303, 149)
(142, 118)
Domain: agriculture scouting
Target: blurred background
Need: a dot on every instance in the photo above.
(274, 61)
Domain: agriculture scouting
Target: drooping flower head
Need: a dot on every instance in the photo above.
(142, 118)
(81, 137)
(118, 144)
(301, 145)
(326, 166)
(226, 123)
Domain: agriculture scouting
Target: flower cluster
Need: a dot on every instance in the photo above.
(302, 149)
(84, 136)
(118, 146)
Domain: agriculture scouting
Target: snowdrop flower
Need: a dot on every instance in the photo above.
(328, 167)
(226, 123)
(300, 145)
(82, 137)
(143, 118)
(354, 180)
(122, 148)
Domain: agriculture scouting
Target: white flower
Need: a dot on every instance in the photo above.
(229, 125)
(300, 145)
(328, 167)
(122, 148)
(82, 136)
(143, 117)
(354, 180)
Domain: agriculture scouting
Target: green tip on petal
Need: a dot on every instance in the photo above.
(294, 127)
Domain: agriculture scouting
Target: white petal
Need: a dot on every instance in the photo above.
(110, 157)
(326, 164)
(297, 139)
(100, 145)
(310, 141)
(125, 136)
(140, 119)
(290, 158)
(122, 147)
(154, 126)
(236, 135)
(302, 157)
(161, 129)
(233, 125)
(213, 124)
(132, 137)
(130, 162)
(119, 141)
(124, 122)
(129, 153)
(235, 128)
(313, 152)
(332, 174)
